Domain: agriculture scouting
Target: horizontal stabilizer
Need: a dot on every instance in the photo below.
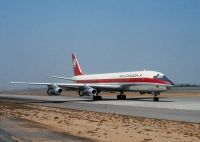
(30, 83)
(58, 77)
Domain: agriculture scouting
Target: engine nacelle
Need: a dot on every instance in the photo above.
(88, 92)
(54, 90)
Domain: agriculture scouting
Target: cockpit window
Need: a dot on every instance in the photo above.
(159, 76)
(162, 77)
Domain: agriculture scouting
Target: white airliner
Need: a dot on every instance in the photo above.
(150, 82)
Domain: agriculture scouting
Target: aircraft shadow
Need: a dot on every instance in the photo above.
(146, 99)
(142, 99)
(38, 101)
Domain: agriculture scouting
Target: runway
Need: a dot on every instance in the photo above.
(20, 130)
(178, 109)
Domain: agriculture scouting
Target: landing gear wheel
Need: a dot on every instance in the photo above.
(155, 99)
(95, 98)
(99, 97)
(80, 93)
(121, 97)
(124, 97)
(49, 93)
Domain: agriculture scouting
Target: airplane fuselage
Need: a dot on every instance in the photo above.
(144, 81)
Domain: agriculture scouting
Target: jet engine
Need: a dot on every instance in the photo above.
(88, 92)
(54, 90)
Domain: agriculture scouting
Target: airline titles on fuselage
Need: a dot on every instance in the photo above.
(130, 75)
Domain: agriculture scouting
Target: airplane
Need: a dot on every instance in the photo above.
(150, 82)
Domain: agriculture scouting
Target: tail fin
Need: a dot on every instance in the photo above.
(76, 67)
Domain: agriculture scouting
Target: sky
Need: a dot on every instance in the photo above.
(37, 38)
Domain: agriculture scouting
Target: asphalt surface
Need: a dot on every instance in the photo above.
(19, 130)
(178, 109)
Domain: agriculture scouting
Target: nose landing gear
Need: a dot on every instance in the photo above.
(156, 99)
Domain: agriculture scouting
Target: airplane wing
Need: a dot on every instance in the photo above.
(75, 86)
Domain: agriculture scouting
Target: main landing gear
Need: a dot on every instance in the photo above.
(121, 96)
(97, 97)
(156, 99)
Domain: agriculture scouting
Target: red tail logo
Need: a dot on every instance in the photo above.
(76, 67)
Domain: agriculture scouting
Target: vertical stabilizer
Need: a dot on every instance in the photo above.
(76, 67)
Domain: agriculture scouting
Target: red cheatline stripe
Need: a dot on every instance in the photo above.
(123, 80)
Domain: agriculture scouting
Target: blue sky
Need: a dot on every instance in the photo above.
(37, 38)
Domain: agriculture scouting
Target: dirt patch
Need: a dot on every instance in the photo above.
(104, 126)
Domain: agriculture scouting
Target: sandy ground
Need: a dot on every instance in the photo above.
(20, 130)
(105, 127)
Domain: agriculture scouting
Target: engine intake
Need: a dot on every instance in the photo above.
(88, 92)
(54, 90)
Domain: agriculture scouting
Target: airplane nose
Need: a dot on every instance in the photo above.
(171, 83)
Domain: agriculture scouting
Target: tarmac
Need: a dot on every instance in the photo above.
(178, 109)
(20, 130)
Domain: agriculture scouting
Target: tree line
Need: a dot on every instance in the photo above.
(187, 85)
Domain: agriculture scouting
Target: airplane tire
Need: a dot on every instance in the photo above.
(124, 97)
(121, 97)
(155, 99)
(99, 97)
(95, 98)
(49, 93)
